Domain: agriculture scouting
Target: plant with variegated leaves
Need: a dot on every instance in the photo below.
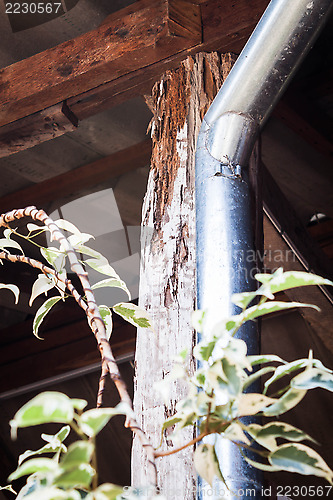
(71, 473)
(219, 392)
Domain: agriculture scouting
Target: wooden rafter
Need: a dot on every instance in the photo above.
(118, 60)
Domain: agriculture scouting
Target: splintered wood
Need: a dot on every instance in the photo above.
(167, 281)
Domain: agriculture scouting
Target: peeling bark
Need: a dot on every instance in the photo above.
(167, 281)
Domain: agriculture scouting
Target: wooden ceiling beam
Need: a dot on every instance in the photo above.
(127, 42)
(80, 178)
(120, 59)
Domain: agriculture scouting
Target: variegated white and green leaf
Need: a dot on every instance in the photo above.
(112, 283)
(42, 312)
(270, 307)
(253, 403)
(9, 243)
(102, 266)
(260, 359)
(280, 281)
(267, 435)
(206, 463)
(43, 465)
(54, 257)
(13, 288)
(288, 368)
(285, 403)
(313, 378)
(256, 375)
(106, 314)
(42, 285)
(302, 459)
(234, 432)
(134, 315)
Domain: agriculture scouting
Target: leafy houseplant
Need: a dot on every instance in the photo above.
(218, 391)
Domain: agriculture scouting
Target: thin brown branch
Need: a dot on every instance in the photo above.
(36, 264)
(101, 385)
(186, 445)
(95, 320)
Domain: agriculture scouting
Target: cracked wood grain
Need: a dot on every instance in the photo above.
(167, 281)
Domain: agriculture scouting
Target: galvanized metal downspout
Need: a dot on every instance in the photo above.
(276, 48)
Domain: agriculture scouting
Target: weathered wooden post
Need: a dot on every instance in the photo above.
(167, 281)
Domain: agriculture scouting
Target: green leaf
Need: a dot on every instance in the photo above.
(258, 374)
(44, 408)
(289, 400)
(89, 251)
(266, 435)
(79, 239)
(63, 433)
(288, 368)
(42, 312)
(54, 444)
(7, 233)
(48, 448)
(65, 225)
(302, 459)
(78, 453)
(81, 476)
(113, 283)
(313, 378)
(270, 307)
(43, 465)
(106, 314)
(79, 404)
(170, 422)
(102, 266)
(93, 421)
(280, 281)
(234, 432)
(6, 243)
(206, 463)
(260, 466)
(42, 492)
(243, 299)
(12, 288)
(108, 491)
(253, 403)
(203, 350)
(56, 258)
(277, 282)
(264, 358)
(41, 285)
(134, 315)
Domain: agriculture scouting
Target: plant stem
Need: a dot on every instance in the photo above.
(186, 445)
(94, 465)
